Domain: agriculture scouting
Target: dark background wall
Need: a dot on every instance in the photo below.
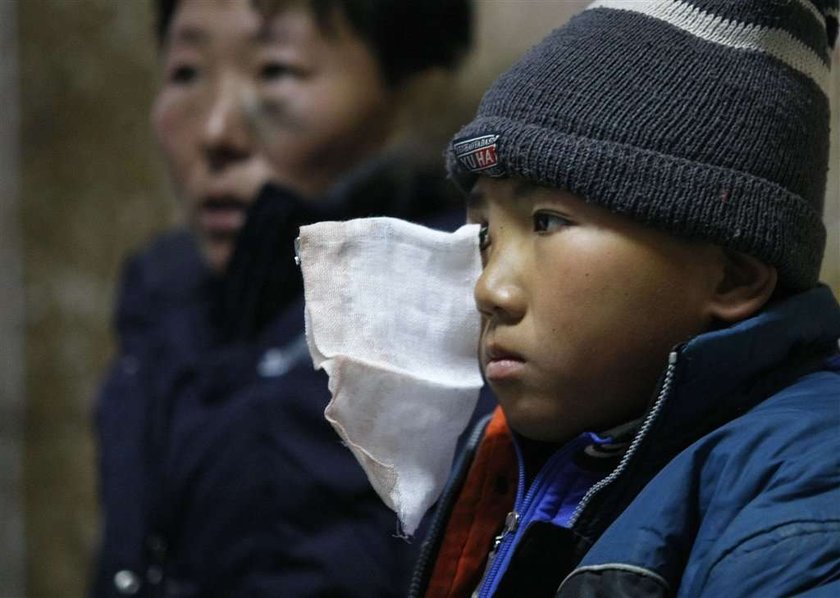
(91, 189)
(11, 314)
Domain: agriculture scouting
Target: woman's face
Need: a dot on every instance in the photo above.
(246, 100)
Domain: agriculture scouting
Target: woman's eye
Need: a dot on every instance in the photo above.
(271, 71)
(548, 222)
(183, 74)
(483, 237)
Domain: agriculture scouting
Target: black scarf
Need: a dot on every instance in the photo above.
(262, 277)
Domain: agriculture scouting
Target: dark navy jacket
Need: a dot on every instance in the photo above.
(730, 487)
(219, 474)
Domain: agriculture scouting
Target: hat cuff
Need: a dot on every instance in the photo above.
(728, 207)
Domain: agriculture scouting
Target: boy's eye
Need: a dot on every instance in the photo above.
(183, 74)
(549, 222)
(483, 237)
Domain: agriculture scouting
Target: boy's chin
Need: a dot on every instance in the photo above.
(535, 421)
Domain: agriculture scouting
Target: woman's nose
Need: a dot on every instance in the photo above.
(226, 138)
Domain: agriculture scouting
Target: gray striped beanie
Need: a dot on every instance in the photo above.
(705, 118)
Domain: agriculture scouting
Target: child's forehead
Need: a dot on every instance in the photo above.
(487, 190)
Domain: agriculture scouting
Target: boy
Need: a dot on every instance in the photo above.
(219, 475)
(649, 180)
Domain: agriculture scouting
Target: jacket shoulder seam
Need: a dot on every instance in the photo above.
(825, 526)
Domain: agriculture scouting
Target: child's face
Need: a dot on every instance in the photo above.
(329, 108)
(580, 307)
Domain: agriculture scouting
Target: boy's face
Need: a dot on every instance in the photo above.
(580, 307)
(245, 101)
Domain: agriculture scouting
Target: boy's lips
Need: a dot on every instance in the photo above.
(501, 364)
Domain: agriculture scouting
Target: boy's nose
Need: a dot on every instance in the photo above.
(226, 138)
(499, 293)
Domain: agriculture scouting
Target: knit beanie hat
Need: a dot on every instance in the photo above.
(708, 119)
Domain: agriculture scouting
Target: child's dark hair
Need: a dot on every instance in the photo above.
(405, 36)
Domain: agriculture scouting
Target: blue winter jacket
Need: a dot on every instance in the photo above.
(730, 487)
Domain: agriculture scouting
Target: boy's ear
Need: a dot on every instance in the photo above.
(745, 287)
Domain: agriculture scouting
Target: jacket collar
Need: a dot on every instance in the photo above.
(711, 380)
(728, 371)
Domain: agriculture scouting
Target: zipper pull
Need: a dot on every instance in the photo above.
(511, 523)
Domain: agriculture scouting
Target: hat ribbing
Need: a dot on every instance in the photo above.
(705, 118)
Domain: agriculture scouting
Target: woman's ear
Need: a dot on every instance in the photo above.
(745, 287)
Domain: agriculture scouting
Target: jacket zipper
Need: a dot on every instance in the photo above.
(511, 524)
(506, 540)
(503, 542)
(634, 446)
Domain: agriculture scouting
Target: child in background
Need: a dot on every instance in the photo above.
(649, 180)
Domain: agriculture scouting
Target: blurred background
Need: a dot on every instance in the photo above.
(82, 185)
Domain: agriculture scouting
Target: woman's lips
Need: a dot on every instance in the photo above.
(221, 217)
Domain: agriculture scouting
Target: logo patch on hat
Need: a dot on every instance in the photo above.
(478, 154)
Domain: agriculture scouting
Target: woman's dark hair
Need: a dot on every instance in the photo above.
(405, 36)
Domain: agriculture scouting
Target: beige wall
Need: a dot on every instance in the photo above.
(92, 189)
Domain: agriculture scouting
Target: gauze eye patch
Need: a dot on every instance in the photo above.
(390, 316)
